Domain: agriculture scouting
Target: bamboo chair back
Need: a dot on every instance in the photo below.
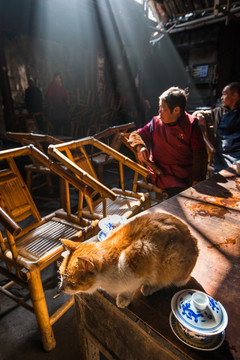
(36, 170)
(143, 183)
(28, 242)
(124, 202)
(111, 137)
(84, 115)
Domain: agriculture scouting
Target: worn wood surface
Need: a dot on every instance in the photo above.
(118, 333)
(211, 210)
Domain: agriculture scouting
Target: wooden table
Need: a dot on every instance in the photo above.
(212, 211)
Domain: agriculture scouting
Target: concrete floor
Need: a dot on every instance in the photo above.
(19, 334)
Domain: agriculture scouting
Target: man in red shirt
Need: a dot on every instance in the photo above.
(176, 144)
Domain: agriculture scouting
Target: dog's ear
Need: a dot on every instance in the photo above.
(86, 263)
(70, 245)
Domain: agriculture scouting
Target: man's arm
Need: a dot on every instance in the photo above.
(206, 121)
(135, 139)
(137, 142)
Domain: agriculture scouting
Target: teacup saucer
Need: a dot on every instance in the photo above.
(206, 345)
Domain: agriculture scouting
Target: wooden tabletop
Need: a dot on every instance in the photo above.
(212, 211)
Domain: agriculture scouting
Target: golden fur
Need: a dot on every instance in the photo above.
(150, 252)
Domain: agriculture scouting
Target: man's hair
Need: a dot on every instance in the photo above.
(57, 74)
(234, 87)
(173, 97)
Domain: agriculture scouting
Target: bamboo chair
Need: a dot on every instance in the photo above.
(106, 110)
(111, 137)
(47, 125)
(79, 120)
(84, 116)
(25, 122)
(26, 249)
(74, 156)
(143, 183)
(36, 170)
(206, 126)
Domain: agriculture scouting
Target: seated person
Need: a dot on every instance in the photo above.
(176, 144)
(225, 120)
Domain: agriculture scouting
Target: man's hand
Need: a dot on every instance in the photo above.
(143, 154)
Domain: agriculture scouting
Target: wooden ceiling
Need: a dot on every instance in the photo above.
(179, 11)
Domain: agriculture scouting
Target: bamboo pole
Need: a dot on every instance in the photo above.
(9, 223)
(16, 299)
(60, 311)
(121, 175)
(4, 154)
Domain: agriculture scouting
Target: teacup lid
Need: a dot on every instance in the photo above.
(199, 312)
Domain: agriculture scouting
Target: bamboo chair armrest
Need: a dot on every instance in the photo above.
(154, 167)
(122, 158)
(32, 138)
(129, 193)
(9, 223)
(114, 129)
(107, 133)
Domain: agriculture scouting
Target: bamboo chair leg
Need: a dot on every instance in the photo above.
(63, 188)
(100, 172)
(50, 185)
(147, 203)
(29, 180)
(41, 310)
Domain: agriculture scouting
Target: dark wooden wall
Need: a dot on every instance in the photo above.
(70, 43)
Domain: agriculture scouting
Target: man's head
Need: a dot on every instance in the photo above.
(231, 95)
(58, 79)
(30, 82)
(172, 104)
